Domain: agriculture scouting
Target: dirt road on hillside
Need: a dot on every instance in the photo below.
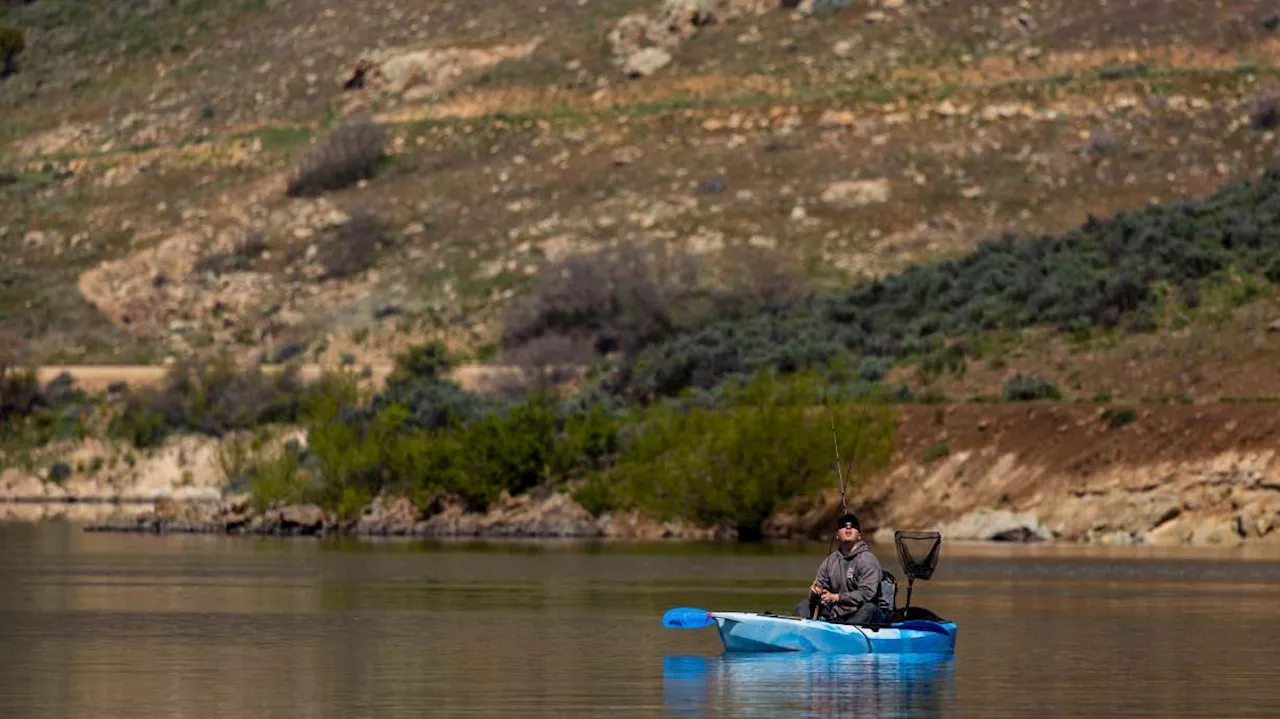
(97, 378)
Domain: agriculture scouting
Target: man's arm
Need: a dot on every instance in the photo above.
(824, 580)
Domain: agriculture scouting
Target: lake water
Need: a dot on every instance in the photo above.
(95, 625)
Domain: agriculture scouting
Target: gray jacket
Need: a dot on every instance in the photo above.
(854, 576)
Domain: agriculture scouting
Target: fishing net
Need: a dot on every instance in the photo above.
(918, 552)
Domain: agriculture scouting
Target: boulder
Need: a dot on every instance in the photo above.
(301, 519)
(997, 525)
(388, 516)
(20, 486)
(427, 71)
(643, 63)
(539, 513)
(852, 194)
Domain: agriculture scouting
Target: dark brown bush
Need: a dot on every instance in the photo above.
(12, 43)
(626, 298)
(1266, 116)
(19, 387)
(609, 298)
(212, 396)
(549, 360)
(550, 351)
(353, 246)
(759, 278)
(349, 154)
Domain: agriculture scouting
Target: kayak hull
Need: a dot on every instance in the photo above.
(755, 632)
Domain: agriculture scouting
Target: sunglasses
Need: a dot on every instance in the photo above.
(847, 525)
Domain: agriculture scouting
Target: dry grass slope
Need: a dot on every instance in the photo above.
(852, 141)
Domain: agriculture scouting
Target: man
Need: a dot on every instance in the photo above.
(847, 588)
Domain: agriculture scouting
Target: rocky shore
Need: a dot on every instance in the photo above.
(539, 514)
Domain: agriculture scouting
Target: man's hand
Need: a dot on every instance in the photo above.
(815, 589)
(829, 597)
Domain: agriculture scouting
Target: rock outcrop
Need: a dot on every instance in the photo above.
(420, 73)
(542, 513)
(1191, 475)
(642, 43)
(997, 525)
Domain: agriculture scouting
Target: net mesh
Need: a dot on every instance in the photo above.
(918, 552)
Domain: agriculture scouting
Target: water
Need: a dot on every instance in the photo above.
(141, 626)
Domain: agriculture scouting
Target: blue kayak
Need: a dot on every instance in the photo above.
(914, 631)
(762, 632)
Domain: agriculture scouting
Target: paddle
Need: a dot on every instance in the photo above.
(687, 618)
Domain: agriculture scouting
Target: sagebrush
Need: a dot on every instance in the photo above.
(349, 153)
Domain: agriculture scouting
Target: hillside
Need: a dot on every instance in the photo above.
(960, 206)
(851, 138)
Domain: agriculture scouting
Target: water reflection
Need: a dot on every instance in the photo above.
(810, 685)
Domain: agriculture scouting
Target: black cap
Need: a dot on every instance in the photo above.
(848, 519)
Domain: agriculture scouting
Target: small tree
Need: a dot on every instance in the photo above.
(19, 386)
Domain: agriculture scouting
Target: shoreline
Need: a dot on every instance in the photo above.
(1058, 550)
(235, 518)
(1033, 472)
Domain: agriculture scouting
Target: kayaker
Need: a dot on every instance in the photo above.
(847, 588)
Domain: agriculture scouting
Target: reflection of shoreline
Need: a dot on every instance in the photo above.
(89, 512)
(1074, 550)
(794, 684)
(80, 512)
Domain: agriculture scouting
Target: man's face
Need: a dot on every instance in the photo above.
(847, 533)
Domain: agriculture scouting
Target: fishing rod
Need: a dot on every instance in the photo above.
(836, 441)
(844, 507)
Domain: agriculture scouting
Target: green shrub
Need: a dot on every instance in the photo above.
(935, 452)
(1027, 388)
(424, 362)
(734, 464)
(727, 458)
(364, 453)
(211, 396)
(19, 394)
(31, 415)
(1117, 417)
(278, 478)
(419, 384)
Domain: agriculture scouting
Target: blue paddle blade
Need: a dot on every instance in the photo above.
(687, 618)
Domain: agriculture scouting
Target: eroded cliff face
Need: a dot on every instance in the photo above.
(1206, 474)
(984, 494)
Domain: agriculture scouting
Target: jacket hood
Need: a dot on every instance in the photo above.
(858, 548)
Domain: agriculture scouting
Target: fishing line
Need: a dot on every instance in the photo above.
(836, 441)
